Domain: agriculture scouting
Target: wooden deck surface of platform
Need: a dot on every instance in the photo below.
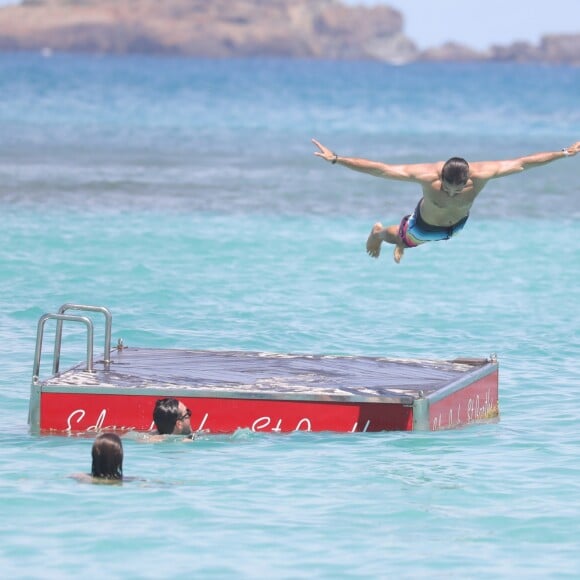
(258, 374)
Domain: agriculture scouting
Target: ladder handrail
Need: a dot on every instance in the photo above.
(83, 307)
(60, 318)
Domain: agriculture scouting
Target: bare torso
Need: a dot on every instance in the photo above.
(438, 208)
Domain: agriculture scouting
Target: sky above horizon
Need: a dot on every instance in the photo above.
(481, 23)
(477, 23)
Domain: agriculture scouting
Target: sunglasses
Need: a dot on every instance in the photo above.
(185, 415)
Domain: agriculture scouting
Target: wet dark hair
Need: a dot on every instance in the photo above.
(165, 415)
(107, 457)
(455, 171)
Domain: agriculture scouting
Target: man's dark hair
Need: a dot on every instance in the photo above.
(165, 415)
(455, 171)
(107, 457)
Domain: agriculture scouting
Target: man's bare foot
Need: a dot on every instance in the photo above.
(374, 240)
(398, 253)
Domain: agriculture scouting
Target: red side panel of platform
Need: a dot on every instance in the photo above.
(474, 403)
(77, 412)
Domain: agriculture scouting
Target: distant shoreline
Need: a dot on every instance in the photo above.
(48, 55)
(294, 29)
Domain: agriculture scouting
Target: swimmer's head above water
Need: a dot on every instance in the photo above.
(107, 454)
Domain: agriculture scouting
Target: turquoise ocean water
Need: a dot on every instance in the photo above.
(184, 196)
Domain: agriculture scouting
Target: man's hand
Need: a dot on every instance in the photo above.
(573, 149)
(324, 152)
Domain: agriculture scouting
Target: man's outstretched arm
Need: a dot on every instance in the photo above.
(493, 169)
(418, 172)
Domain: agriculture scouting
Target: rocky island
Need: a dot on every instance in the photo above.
(324, 29)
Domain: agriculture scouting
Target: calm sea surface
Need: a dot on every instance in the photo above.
(184, 196)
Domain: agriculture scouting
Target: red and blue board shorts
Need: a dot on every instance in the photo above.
(414, 230)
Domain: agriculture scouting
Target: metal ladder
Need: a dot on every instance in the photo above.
(60, 318)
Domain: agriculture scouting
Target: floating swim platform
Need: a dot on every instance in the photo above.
(260, 391)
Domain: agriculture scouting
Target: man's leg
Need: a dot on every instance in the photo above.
(390, 234)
